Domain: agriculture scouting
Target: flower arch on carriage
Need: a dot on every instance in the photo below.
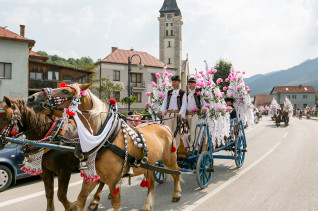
(273, 108)
(288, 106)
(242, 99)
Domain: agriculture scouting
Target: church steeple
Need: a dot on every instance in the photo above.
(170, 6)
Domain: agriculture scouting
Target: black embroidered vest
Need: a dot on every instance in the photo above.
(197, 98)
(179, 98)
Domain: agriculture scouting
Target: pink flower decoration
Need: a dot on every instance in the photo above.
(165, 73)
(222, 93)
(170, 75)
(210, 72)
(148, 93)
(147, 104)
(219, 80)
(238, 71)
(83, 93)
(162, 95)
(214, 71)
(238, 88)
(201, 72)
(207, 105)
(248, 90)
(234, 79)
(224, 88)
(164, 84)
(202, 84)
(158, 75)
(247, 87)
(217, 95)
(231, 95)
(243, 73)
(198, 76)
(199, 93)
(218, 108)
(208, 83)
(226, 80)
(228, 108)
(230, 76)
(203, 75)
(194, 109)
(240, 100)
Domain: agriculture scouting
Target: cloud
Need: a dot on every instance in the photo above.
(20, 15)
(68, 54)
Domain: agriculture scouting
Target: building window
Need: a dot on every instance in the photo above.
(169, 61)
(305, 106)
(83, 78)
(116, 75)
(167, 33)
(53, 75)
(293, 96)
(171, 24)
(153, 77)
(169, 43)
(5, 70)
(288, 96)
(171, 32)
(167, 24)
(304, 96)
(138, 96)
(135, 79)
(116, 96)
(36, 76)
(67, 78)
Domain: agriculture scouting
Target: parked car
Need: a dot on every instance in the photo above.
(11, 161)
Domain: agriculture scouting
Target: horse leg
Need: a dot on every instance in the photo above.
(48, 179)
(115, 199)
(87, 188)
(171, 163)
(94, 203)
(63, 181)
(150, 198)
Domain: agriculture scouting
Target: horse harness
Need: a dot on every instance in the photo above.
(53, 101)
(12, 129)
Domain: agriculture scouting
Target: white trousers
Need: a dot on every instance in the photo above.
(193, 132)
(172, 124)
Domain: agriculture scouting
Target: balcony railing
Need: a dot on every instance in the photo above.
(39, 84)
(138, 85)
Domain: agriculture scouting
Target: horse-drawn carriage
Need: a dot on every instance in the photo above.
(201, 160)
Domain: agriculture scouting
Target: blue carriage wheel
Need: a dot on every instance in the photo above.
(159, 176)
(204, 169)
(240, 148)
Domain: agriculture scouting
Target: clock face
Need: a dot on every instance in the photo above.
(169, 17)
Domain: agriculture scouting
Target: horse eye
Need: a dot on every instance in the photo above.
(65, 91)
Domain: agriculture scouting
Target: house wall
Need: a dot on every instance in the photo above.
(298, 101)
(107, 72)
(16, 53)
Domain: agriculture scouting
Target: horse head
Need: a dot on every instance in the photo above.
(53, 101)
(10, 120)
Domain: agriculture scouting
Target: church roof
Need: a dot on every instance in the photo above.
(170, 6)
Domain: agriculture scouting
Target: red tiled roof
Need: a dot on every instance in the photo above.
(120, 56)
(9, 35)
(44, 58)
(295, 89)
(263, 99)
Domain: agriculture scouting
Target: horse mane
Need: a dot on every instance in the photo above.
(98, 112)
(31, 120)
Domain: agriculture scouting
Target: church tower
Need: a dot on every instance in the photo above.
(170, 35)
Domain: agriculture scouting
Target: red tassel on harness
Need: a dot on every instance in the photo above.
(174, 149)
(115, 192)
(112, 101)
(63, 84)
(143, 183)
(70, 113)
(147, 183)
(14, 133)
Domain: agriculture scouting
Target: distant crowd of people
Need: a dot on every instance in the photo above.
(299, 113)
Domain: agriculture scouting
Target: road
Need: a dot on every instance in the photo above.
(280, 173)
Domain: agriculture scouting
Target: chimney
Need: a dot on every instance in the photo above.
(22, 29)
(132, 49)
(114, 49)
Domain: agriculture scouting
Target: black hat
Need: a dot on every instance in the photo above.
(175, 78)
(191, 80)
(229, 99)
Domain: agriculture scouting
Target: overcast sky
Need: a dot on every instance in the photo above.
(257, 36)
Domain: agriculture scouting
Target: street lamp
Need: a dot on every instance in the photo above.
(140, 66)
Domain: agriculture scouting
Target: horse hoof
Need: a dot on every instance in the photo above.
(176, 199)
(146, 207)
(93, 207)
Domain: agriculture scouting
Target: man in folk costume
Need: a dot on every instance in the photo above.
(174, 107)
(194, 104)
(229, 102)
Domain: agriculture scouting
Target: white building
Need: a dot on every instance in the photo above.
(14, 63)
(115, 67)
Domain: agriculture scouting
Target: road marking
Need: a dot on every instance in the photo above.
(227, 183)
(285, 135)
(30, 196)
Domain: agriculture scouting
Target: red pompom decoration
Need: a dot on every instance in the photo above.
(112, 101)
(70, 113)
(147, 183)
(63, 84)
(174, 149)
(115, 192)
(14, 133)
(143, 183)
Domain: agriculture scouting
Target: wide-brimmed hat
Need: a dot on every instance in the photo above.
(175, 78)
(191, 80)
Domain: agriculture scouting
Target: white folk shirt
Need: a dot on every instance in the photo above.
(191, 101)
(173, 103)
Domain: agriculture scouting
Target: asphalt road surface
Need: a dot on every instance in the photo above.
(280, 172)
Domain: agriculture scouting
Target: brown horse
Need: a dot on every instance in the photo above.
(108, 164)
(285, 117)
(277, 118)
(56, 162)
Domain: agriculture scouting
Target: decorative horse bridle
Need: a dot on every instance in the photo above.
(11, 129)
(53, 101)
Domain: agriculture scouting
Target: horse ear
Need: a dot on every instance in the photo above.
(7, 101)
(85, 86)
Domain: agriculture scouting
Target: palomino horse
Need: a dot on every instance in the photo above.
(56, 162)
(285, 117)
(108, 164)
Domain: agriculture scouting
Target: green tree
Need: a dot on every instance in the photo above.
(107, 88)
(223, 70)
